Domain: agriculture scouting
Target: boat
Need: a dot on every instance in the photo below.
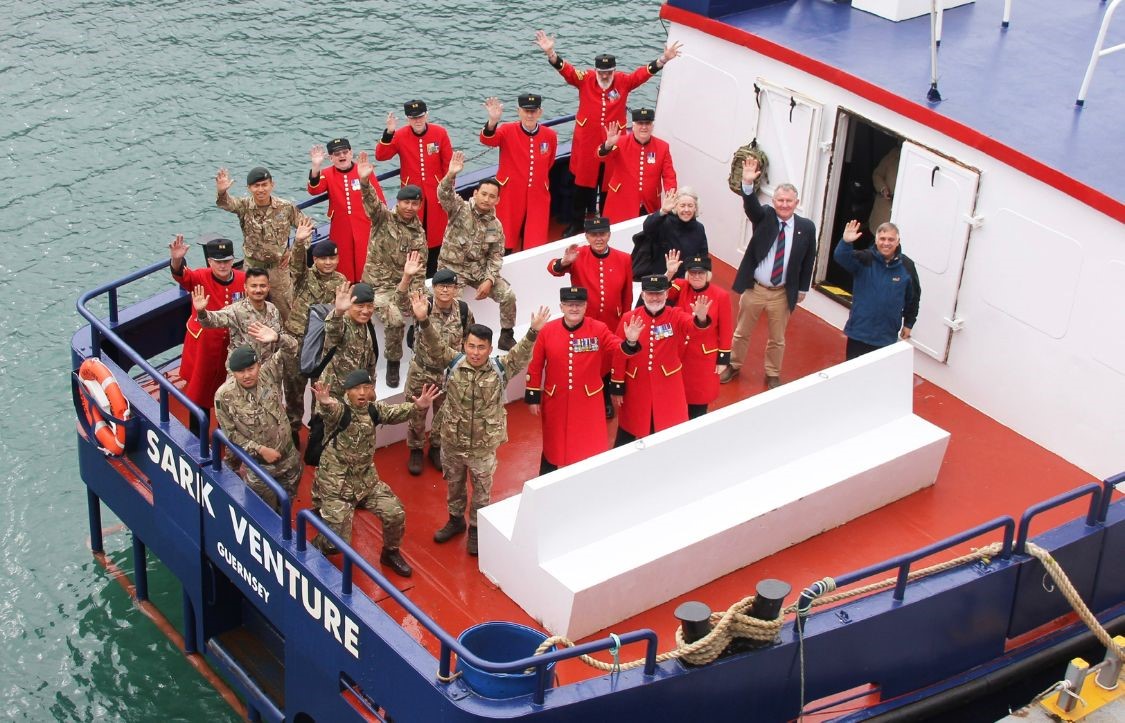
(1011, 208)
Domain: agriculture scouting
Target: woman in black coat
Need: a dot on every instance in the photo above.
(676, 226)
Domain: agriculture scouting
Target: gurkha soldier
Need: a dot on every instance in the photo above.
(347, 478)
(253, 308)
(348, 331)
(474, 245)
(394, 235)
(474, 421)
(315, 285)
(249, 408)
(265, 221)
(427, 366)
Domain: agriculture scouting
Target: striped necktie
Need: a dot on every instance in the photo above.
(777, 277)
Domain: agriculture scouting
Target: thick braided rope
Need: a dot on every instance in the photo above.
(1071, 595)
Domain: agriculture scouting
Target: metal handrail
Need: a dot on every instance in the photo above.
(221, 440)
(449, 644)
(99, 331)
(1108, 486)
(1098, 52)
(1092, 489)
(903, 562)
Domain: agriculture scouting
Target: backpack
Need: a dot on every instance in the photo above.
(645, 257)
(313, 358)
(317, 442)
(461, 307)
(750, 149)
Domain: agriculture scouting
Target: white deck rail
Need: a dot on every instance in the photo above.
(1098, 52)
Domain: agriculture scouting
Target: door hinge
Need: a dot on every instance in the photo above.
(974, 221)
(955, 324)
(825, 146)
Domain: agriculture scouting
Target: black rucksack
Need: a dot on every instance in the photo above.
(645, 257)
(461, 307)
(317, 442)
(313, 357)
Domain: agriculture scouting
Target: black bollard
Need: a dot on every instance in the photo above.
(768, 598)
(695, 619)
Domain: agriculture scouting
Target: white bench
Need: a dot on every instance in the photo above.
(591, 544)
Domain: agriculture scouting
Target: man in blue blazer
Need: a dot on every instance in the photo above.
(775, 272)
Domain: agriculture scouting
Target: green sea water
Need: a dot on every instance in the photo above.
(114, 118)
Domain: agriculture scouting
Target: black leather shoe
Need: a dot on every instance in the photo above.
(773, 382)
(471, 542)
(394, 560)
(454, 527)
(728, 374)
(392, 373)
(506, 341)
(414, 464)
(435, 455)
(609, 413)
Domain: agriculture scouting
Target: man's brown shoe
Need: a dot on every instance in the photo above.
(773, 382)
(728, 374)
(414, 464)
(454, 527)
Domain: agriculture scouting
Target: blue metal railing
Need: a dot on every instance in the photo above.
(903, 562)
(100, 331)
(449, 644)
(1107, 494)
(1095, 492)
(221, 441)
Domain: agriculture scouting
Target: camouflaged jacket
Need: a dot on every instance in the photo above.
(474, 242)
(238, 317)
(255, 418)
(265, 229)
(392, 239)
(309, 287)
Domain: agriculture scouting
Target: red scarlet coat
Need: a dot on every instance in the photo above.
(423, 161)
(706, 348)
(652, 380)
(565, 376)
(608, 279)
(636, 174)
(350, 227)
(203, 362)
(596, 108)
(526, 158)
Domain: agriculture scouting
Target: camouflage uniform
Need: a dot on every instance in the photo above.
(237, 318)
(347, 478)
(391, 241)
(428, 367)
(309, 287)
(255, 418)
(474, 249)
(353, 350)
(265, 240)
(474, 421)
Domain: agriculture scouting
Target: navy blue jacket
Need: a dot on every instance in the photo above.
(669, 232)
(885, 294)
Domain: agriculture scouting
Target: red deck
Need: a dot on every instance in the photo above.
(988, 471)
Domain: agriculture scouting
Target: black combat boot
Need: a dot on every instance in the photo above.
(454, 527)
(392, 373)
(471, 542)
(414, 464)
(394, 560)
(435, 455)
(507, 340)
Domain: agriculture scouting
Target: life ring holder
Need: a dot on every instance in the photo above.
(102, 408)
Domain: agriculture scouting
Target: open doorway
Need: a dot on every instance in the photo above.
(867, 159)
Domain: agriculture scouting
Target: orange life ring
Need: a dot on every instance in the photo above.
(104, 389)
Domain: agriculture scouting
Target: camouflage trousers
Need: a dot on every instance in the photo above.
(394, 326)
(281, 285)
(456, 466)
(503, 295)
(416, 377)
(295, 384)
(286, 471)
(338, 491)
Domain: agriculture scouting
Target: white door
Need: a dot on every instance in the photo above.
(933, 208)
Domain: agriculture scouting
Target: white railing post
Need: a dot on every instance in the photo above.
(1098, 52)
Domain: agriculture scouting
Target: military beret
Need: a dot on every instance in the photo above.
(597, 224)
(242, 358)
(409, 193)
(698, 262)
(414, 108)
(357, 377)
(327, 247)
(257, 173)
(363, 293)
(219, 249)
(530, 101)
(339, 144)
(444, 276)
(605, 61)
(572, 293)
(644, 115)
(656, 282)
